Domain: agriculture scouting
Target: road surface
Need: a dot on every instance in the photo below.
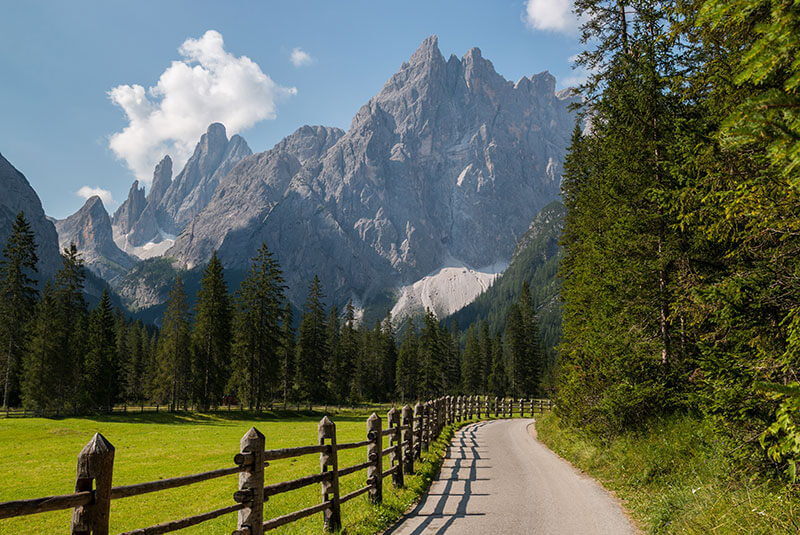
(497, 479)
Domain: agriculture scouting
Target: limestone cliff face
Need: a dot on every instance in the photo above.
(90, 230)
(18, 195)
(449, 160)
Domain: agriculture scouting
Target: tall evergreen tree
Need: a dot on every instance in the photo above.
(173, 358)
(17, 302)
(312, 346)
(258, 331)
(348, 347)
(100, 361)
(71, 331)
(211, 336)
(471, 370)
(407, 371)
(42, 372)
(498, 379)
(333, 364)
(287, 355)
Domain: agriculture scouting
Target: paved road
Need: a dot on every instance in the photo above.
(497, 479)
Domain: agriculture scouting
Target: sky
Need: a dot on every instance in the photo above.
(93, 93)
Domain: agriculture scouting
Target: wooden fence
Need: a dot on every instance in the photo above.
(410, 432)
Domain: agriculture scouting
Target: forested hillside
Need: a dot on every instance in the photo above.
(535, 261)
(681, 252)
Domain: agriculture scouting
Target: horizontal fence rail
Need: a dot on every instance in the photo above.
(411, 431)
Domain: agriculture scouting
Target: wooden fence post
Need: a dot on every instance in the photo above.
(251, 482)
(458, 408)
(408, 437)
(531, 404)
(393, 421)
(521, 408)
(426, 425)
(332, 517)
(480, 406)
(95, 470)
(374, 453)
(418, 417)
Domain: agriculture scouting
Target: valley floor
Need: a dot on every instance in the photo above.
(678, 477)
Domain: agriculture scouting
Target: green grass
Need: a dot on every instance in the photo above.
(39, 458)
(677, 476)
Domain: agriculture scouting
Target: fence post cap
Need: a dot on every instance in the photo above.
(406, 408)
(252, 434)
(373, 417)
(325, 427)
(97, 445)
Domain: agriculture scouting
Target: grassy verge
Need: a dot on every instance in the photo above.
(39, 455)
(676, 476)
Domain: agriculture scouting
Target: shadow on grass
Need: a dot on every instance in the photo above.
(218, 418)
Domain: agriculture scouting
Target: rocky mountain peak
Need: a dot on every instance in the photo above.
(162, 178)
(427, 52)
(90, 230)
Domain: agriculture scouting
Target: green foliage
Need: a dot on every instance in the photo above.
(258, 333)
(782, 438)
(678, 475)
(172, 381)
(18, 296)
(211, 337)
(312, 346)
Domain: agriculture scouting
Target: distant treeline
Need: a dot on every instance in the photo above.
(681, 261)
(56, 354)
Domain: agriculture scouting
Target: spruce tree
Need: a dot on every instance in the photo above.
(287, 355)
(258, 332)
(100, 361)
(471, 369)
(312, 346)
(407, 371)
(211, 336)
(42, 373)
(173, 357)
(71, 331)
(17, 303)
(333, 363)
(349, 348)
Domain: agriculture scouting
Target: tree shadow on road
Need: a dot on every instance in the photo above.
(465, 452)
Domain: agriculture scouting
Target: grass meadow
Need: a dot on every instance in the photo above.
(38, 458)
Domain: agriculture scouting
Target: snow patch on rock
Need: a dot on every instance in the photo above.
(451, 287)
(153, 248)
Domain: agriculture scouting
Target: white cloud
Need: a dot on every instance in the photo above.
(555, 15)
(207, 85)
(86, 192)
(300, 57)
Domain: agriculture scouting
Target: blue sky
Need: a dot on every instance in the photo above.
(59, 60)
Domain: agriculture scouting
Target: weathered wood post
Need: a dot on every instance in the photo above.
(329, 461)
(480, 406)
(418, 417)
(450, 415)
(496, 406)
(531, 407)
(521, 408)
(251, 481)
(458, 408)
(393, 421)
(510, 402)
(407, 421)
(95, 469)
(374, 456)
(426, 413)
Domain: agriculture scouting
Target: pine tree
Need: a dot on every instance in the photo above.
(498, 379)
(333, 362)
(388, 358)
(311, 346)
(41, 373)
(100, 366)
(407, 374)
(430, 358)
(173, 358)
(211, 336)
(486, 356)
(349, 349)
(258, 331)
(287, 355)
(471, 370)
(71, 331)
(17, 302)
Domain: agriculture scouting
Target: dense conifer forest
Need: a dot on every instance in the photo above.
(681, 270)
(238, 346)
